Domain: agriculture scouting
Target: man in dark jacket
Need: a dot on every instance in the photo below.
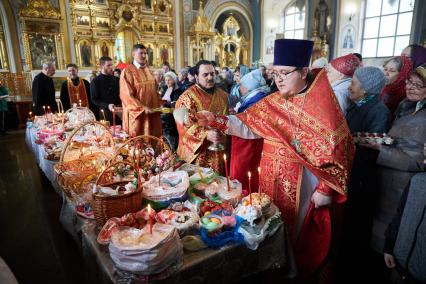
(105, 89)
(43, 90)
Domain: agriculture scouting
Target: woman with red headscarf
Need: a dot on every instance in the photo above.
(397, 70)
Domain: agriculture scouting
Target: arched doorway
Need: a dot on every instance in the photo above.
(124, 42)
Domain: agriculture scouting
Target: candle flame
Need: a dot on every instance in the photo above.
(224, 157)
(258, 169)
(149, 208)
(249, 174)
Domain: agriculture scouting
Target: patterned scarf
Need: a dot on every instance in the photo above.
(395, 92)
(365, 99)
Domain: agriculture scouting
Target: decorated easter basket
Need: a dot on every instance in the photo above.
(86, 139)
(74, 176)
(108, 206)
(76, 116)
(149, 149)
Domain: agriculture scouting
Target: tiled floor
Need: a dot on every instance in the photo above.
(32, 241)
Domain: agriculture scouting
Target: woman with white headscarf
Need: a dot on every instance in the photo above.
(246, 153)
(169, 97)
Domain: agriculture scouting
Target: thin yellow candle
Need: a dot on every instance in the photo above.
(200, 174)
(103, 114)
(226, 171)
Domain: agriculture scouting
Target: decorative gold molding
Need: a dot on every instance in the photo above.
(40, 9)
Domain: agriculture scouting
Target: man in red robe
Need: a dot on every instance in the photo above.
(75, 90)
(195, 140)
(138, 94)
(307, 152)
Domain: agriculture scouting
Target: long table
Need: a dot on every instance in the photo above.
(227, 264)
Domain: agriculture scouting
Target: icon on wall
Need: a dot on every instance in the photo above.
(348, 37)
(270, 45)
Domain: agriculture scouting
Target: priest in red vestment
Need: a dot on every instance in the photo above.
(75, 90)
(138, 94)
(307, 151)
(195, 141)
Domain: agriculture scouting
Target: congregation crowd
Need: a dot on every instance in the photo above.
(381, 232)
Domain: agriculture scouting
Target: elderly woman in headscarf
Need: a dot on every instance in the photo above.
(397, 69)
(234, 95)
(169, 97)
(246, 153)
(366, 114)
(404, 158)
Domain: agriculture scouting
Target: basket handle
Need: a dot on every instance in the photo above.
(109, 167)
(69, 139)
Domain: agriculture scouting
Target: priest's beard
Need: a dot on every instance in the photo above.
(207, 90)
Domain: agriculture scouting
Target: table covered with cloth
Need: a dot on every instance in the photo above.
(225, 265)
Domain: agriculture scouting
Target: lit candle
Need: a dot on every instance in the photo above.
(258, 170)
(48, 109)
(31, 115)
(137, 167)
(200, 174)
(113, 121)
(249, 177)
(103, 114)
(226, 171)
(79, 102)
(44, 110)
(149, 219)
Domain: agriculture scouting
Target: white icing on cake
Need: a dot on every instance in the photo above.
(219, 186)
(172, 185)
(249, 213)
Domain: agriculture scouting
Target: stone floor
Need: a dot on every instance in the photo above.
(32, 241)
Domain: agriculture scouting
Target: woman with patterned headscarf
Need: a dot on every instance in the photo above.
(246, 153)
(397, 70)
(234, 95)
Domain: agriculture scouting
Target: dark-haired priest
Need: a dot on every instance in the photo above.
(75, 90)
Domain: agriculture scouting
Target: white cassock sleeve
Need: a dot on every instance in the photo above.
(237, 128)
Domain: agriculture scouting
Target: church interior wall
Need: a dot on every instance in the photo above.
(344, 27)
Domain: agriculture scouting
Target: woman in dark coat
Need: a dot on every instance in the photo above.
(366, 114)
(170, 96)
(400, 161)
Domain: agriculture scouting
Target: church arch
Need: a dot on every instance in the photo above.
(240, 9)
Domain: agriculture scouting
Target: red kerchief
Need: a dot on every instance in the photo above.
(346, 64)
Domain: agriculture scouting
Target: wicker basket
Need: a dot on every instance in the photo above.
(74, 176)
(106, 207)
(126, 152)
(74, 149)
